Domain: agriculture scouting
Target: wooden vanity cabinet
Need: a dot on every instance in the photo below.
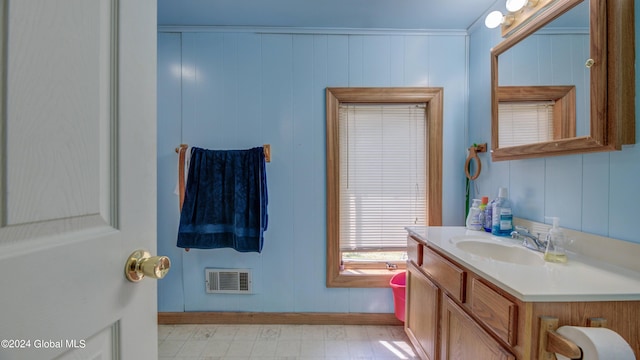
(437, 323)
(463, 338)
(454, 313)
(422, 317)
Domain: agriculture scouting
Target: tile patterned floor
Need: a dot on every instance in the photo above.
(304, 342)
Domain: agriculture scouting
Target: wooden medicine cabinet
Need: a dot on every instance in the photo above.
(599, 69)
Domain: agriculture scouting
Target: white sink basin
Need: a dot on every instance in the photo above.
(500, 252)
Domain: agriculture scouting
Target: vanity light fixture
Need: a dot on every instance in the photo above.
(516, 5)
(495, 19)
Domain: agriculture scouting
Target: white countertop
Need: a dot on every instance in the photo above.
(580, 279)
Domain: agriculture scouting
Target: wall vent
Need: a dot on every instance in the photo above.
(228, 281)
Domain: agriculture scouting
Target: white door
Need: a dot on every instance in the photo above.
(77, 178)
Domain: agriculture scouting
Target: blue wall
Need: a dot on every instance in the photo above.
(595, 193)
(239, 89)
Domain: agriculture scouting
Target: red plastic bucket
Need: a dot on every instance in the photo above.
(399, 284)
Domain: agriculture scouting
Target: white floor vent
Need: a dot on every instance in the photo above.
(228, 281)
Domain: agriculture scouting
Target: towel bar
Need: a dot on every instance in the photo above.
(266, 148)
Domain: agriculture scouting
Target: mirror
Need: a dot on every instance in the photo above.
(551, 58)
(542, 65)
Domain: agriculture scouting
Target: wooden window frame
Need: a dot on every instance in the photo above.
(432, 98)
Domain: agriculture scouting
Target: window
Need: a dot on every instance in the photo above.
(384, 167)
(382, 180)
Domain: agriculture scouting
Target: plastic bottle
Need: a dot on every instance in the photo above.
(556, 241)
(502, 217)
(473, 219)
(488, 212)
(483, 209)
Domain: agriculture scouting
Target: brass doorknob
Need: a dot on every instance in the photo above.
(140, 264)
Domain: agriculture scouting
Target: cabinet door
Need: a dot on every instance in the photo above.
(463, 339)
(422, 313)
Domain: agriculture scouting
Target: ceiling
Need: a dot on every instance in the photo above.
(351, 14)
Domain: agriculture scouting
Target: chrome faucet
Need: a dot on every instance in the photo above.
(529, 240)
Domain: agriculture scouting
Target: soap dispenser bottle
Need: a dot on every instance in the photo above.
(556, 240)
(473, 219)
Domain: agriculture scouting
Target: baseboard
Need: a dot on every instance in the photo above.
(173, 318)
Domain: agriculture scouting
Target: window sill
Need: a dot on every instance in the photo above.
(362, 278)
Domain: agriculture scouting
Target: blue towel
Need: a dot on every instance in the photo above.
(225, 201)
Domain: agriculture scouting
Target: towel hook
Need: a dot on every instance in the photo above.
(473, 155)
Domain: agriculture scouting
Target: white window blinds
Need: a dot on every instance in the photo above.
(382, 174)
(525, 122)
